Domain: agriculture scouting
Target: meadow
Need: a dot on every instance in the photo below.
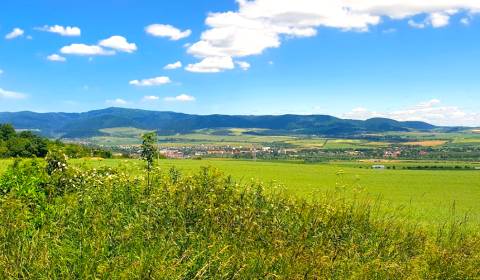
(58, 221)
(425, 196)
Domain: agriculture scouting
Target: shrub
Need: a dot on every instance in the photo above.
(56, 161)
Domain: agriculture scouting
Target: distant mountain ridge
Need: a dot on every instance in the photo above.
(79, 125)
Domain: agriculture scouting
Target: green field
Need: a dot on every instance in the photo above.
(426, 196)
(103, 223)
(429, 196)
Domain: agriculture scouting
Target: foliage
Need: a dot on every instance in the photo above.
(56, 162)
(206, 226)
(26, 144)
(149, 149)
(23, 144)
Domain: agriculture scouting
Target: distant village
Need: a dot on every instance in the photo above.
(267, 152)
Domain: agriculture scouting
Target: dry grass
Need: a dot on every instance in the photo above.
(431, 143)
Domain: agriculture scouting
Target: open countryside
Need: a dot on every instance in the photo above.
(240, 139)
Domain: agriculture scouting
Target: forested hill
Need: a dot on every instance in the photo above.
(77, 125)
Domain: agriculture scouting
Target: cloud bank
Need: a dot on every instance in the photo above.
(258, 25)
(432, 111)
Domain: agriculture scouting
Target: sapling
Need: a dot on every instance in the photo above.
(149, 150)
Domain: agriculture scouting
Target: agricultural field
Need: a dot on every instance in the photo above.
(236, 137)
(426, 196)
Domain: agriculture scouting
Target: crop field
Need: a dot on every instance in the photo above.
(236, 137)
(425, 196)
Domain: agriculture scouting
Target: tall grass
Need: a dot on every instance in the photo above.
(104, 224)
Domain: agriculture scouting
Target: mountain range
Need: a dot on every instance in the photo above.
(81, 125)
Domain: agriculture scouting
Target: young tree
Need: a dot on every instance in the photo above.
(149, 151)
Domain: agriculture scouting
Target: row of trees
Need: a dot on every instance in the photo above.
(27, 144)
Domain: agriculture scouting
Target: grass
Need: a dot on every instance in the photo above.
(425, 196)
(104, 224)
(431, 143)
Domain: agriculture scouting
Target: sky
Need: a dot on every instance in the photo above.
(358, 59)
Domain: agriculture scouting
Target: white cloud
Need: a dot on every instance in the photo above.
(117, 102)
(212, 65)
(243, 64)
(150, 98)
(165, 30)
(85, 50)
(431, 111)
(438, 20)
(6, 94)
(173, 66)
(258, 25)
(61, 30)
(389, 31)
(157, 81)
(118, 43)
(56, 57)
(16, 32)
(466, 21)
(181, 98)
(414, 24)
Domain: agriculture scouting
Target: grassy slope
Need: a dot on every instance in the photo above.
(429, 196)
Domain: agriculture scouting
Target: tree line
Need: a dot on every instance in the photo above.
(26, 144)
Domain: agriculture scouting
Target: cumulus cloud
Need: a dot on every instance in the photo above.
(212, 65)
(85, 50)
(61, 30)
(243, 64)
(432, 111)
(173, 66)
(16, 32)
(168, 31)
(108, 46)
(150, 98)
(57, 58)
(157, 81)
(6, 94)
(439, 19)
(117, 102)
(258, 25)
(181, 98)
(118, 43)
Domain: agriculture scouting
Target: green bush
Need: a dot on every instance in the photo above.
(104, 225)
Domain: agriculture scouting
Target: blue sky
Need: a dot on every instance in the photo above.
(403, 60)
